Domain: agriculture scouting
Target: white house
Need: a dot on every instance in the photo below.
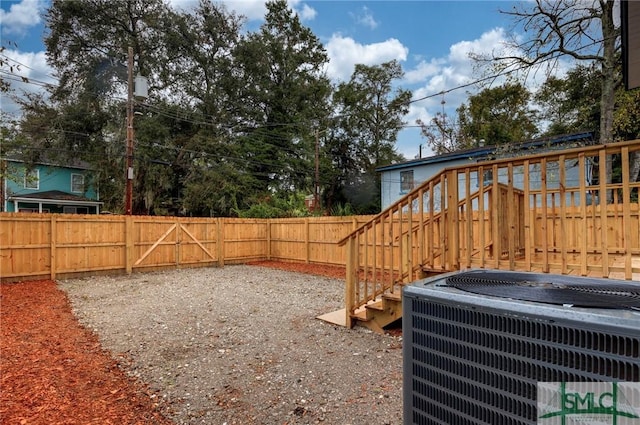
(399, 179)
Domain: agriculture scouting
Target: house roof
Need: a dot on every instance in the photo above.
(68, 163)
(54, 196)
(486, 151)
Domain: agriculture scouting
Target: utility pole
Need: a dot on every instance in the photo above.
(129, 160)
(316, 192)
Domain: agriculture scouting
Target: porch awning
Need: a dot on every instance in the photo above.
(55, 197)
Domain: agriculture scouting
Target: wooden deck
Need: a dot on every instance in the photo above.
(548, 213)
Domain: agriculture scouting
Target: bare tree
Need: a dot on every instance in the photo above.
(580, 29)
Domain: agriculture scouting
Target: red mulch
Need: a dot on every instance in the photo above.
(335, 272)
(53, 371)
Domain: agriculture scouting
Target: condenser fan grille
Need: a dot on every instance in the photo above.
(539, 288)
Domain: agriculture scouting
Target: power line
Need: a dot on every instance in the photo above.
(499, 74)
(26, 66)
(26, 80)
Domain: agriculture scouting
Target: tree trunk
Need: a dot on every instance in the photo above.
(609, 78)
(634, 171)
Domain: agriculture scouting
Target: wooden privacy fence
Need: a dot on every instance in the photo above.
(37, 246)
(552, 212)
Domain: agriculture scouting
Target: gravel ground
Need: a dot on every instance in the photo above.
(241, 345)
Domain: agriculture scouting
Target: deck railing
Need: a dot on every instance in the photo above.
(551, 212)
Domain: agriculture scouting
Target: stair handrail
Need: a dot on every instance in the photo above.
(486, 164)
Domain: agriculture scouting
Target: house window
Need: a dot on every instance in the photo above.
(32, 179)
(77, 183)
(406, 181)
(487, 177)
(75, 210)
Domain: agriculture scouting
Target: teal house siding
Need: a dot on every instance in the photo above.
(48, 188)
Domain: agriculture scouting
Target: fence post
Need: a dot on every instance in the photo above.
(177, 246)
(129, 243)
(220, 237)
(52, 245)
(269, 239)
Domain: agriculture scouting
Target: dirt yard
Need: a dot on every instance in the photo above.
(237, 345)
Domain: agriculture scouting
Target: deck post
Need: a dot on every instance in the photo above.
(626, 213)
(350, 282)
(604, 204)
(453, 226)
(405, 254)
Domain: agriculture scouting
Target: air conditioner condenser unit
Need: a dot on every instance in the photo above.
(476, 343)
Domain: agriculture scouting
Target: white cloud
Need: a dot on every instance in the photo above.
(344, 53)
(366, 18)
(31, 71)
(21, 16)
(254, 10)
(307, 13)
(31, 65)
(430, 78)
(423, 70)
(251, 9)
(184, 5)
(445, 73)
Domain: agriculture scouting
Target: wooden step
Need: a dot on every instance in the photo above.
(376, 305)
(392, 296)
(433, 271)
(380, 313)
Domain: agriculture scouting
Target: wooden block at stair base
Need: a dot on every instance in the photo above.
(335, 317)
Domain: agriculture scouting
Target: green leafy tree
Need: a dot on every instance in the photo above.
(572, 103)
(7, 66)
(277, 206)
(499, 115)
(88, 40)
(87, 45)
(284, 92)
(371, 112)
(200, 63)
(207, 170)
(626, 124)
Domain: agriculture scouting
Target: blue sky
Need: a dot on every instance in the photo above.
(431, 39)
